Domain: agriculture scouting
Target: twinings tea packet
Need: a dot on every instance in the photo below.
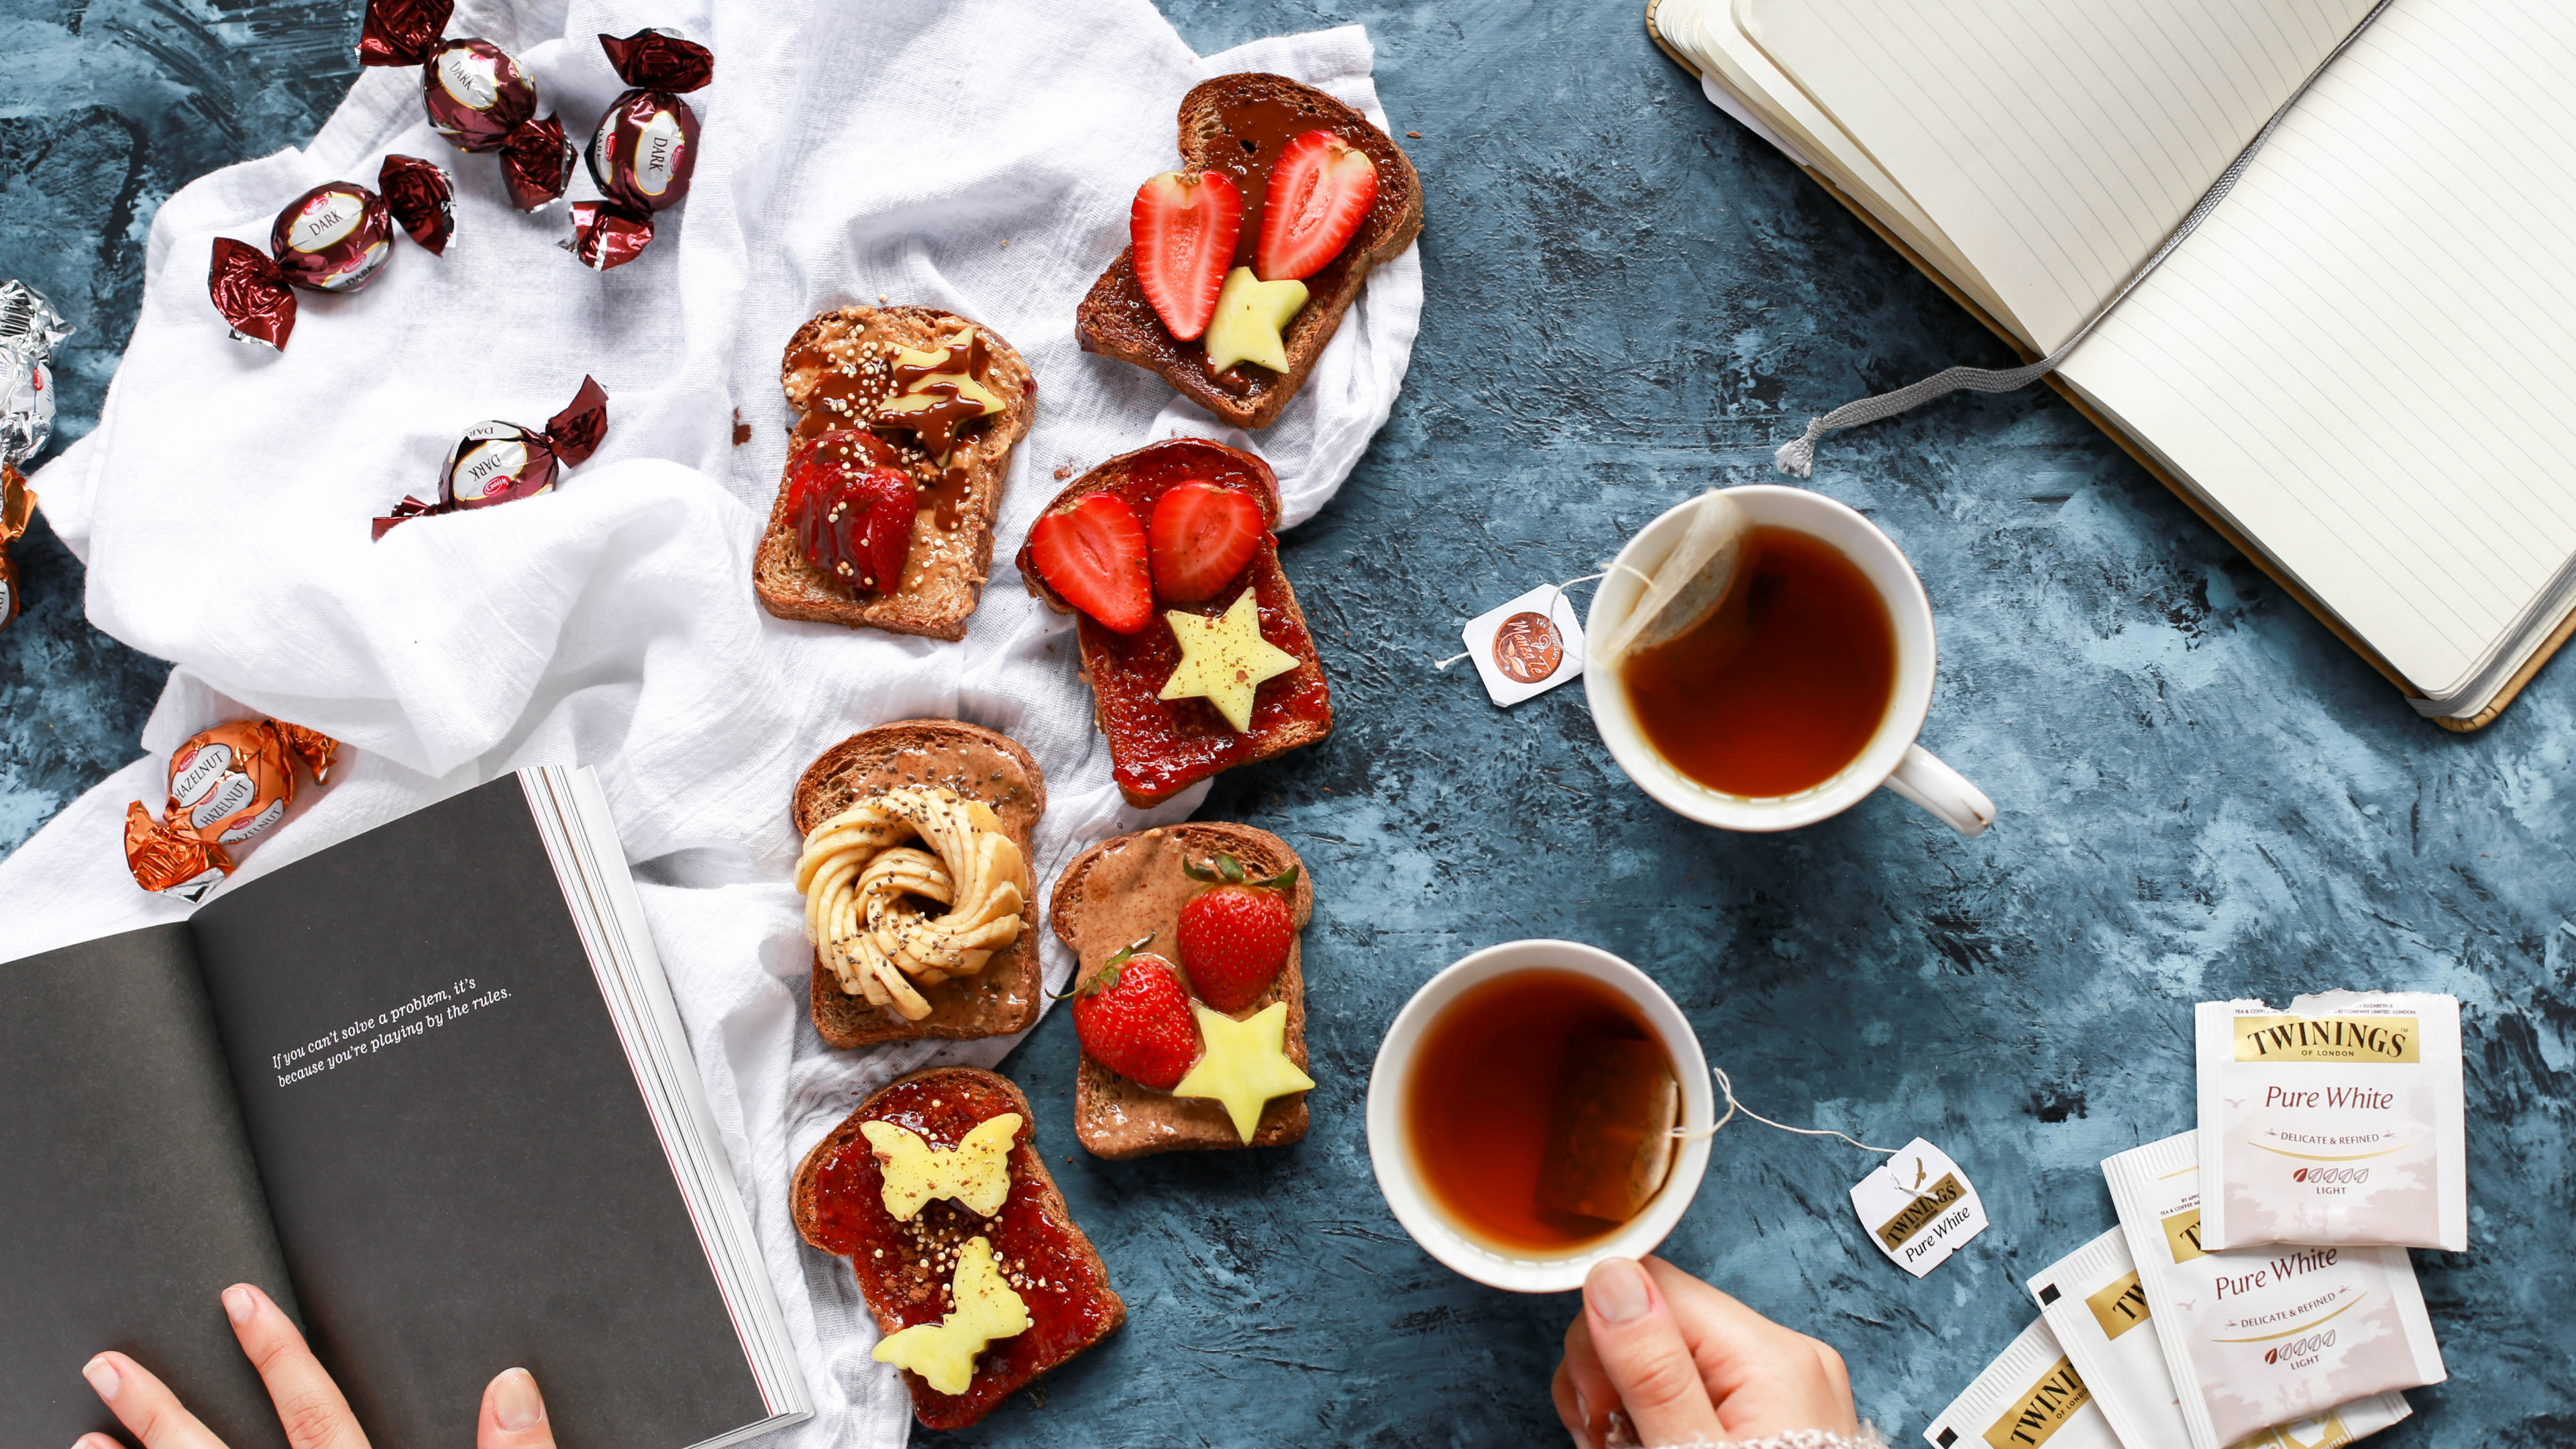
(2031, 1395)
(1610, 1132)
(1526, 647)
(1687, 585)
(2094, 1302)
(2339, 1120)
(1919, 1207)
(2264, 1337)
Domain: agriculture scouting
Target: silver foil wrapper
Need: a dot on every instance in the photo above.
(29, 328)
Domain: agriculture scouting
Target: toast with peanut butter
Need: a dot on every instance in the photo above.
(1243, 127)
(1126, 896)
(845, 1197)
(905, 421)
(930, 868)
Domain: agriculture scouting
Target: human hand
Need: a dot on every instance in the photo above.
(308, 1404)
(1688, 1363)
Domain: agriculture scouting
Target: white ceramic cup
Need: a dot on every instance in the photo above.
(1399, 1177)
(1891, 758)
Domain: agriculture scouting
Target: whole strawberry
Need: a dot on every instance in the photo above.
(1235, 937)
(1133, 1017)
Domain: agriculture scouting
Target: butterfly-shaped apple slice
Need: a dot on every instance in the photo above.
(976, 1173)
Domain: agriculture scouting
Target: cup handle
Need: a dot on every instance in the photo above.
(1923, 779)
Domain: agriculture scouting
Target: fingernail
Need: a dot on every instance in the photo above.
(1616, 1289)
(1583, 1411)
(515, 1404)
(239, 1305)
(101, 1374)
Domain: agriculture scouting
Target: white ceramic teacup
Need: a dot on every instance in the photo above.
(1399, 1176)
(1891, 757)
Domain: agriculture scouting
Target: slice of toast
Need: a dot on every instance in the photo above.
(952, 532)
(1158, 748)
(1238, 124)
(977, 763)
(836, 1200)
(1123, 890)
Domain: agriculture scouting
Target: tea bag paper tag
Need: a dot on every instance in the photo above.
(1919, 1207)
(1526, 647)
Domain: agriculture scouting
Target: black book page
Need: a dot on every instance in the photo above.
(128, 1199)
(456, 1153)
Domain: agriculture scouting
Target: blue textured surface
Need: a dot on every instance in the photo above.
(2203, 794)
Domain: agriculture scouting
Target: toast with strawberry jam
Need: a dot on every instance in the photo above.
(1241, 264)
(955, 1190)
(1225, 905)
(1198, 656)
(905, 421)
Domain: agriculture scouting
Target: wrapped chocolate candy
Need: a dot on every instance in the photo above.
(476, 95)
(499, 462)
(334, 238)
(227, 784)
(646, 147)
(29, 328)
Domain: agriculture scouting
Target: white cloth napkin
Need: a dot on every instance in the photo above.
(850, 151)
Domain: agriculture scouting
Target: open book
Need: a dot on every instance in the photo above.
(428, 1089)
(2358, 367)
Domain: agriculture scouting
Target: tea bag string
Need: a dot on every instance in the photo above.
(1697, 1134)
(1554, 592)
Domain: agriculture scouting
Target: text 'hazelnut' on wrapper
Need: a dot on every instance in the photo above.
(227, 784)
(476, 95)
(645, 148)
(498, 462)
(29, 328)
(334, 238)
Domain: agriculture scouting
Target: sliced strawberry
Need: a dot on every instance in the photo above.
(1133, 1017)
(1203, 535)
(1093, 553)
(853, 515)
(1184, 228)
(1320, 192)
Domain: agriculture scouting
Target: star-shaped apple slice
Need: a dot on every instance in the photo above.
(1224, 659)
(1243, 1064)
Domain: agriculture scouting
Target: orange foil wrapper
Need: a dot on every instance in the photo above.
(227, 784)
(17, 507)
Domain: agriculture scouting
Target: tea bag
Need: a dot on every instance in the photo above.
(2032, 1394)
(1688, 587)
(1610, 1134)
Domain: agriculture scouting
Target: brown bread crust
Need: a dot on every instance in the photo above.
(946, 575)
(1115, 320)
(1007, 994)
(1114, 1117)
(801, 1194)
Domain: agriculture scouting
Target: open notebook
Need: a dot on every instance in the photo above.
(2358, 367)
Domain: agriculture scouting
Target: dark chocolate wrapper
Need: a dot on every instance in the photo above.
(402, 32)
(659, 60)
(644, 151)
(476, 94)
(536, 163)
(499, 462)
(605, 234)
(250, 293)
(333, 238)
(422, 197)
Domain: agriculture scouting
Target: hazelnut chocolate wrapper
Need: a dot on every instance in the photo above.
(645, 148)
(501, 462)
(227, 784)
(17, 507)
(475, 94)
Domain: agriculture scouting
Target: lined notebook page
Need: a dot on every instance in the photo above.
(2365, 356)
(2055, 143)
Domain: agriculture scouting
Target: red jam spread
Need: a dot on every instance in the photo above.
(904, 1268)
(1157, 746)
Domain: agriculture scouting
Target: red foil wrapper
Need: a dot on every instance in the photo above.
(605, 234)
(422, 197)
(402, 32)
(499, 462)
(475, 94)
(227, 784)
(659, 60)
(251, 293)
(536, 163)
(17, 509)
(333, 238)
(644, 151)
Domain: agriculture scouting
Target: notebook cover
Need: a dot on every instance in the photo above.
(2505, 696)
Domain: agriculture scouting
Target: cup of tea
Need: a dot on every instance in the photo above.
(1799, 695)
(1521, 1114)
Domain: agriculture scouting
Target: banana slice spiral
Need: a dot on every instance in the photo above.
(864, 886)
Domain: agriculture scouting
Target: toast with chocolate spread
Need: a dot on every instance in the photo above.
(904, 1268)
(1239, 125)
(1158, 747)
(979, 764)
(839, 372)
(1128, 889)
